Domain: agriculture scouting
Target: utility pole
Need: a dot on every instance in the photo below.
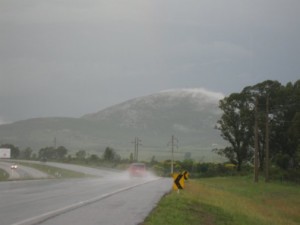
(173, 144)
(267, 142)
(136, 143)
(256, 142)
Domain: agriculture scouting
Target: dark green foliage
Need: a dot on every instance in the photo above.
(237, 123)
(110, 155)
(80, 155)
(236, 127)
(26, 153)
(94, 158)
(50, 153)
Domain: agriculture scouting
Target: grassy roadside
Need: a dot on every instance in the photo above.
(232, 200)
(54, 172)
(3, 175)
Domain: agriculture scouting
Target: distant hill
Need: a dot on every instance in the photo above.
(189, 114)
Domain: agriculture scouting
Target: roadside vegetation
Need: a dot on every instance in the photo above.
(229, 200)
(54, 172)
(273, 109)
(3, 175)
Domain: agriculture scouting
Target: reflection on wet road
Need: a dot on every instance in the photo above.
(114, 198)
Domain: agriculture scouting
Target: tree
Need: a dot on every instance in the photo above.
(282, 114)
(46, 153)
(81, 154)
(267, 95)
(109, 154)
(153, 160)
(284, 106)
(294, 127)
(294, 134)
(61, 152)
(53, 153)
(94, 158)
(26, 153)
(187, 164)
(131, 157)
(236, 126)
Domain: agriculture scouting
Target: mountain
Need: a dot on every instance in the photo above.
(188, 114)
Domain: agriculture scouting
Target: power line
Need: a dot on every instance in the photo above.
(137, 143)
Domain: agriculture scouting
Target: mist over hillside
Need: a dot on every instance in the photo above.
(188, 114)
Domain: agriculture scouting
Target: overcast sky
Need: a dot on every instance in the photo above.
(72, 57)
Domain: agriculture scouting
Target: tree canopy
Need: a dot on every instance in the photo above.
(237, 124)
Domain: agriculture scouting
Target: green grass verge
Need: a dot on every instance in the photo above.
(55, 172)
(3, 175)
(234, 201)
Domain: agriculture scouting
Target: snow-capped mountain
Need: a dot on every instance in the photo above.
(189, 114)
(175, 106)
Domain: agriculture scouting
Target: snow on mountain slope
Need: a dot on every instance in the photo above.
(189, 114)
(137, 112)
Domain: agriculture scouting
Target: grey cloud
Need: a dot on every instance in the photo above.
(71, 57)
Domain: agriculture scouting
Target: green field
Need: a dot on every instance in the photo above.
(234, 200)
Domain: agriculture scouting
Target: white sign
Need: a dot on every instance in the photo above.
(4, 153)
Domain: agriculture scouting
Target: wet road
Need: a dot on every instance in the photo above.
(113, 198)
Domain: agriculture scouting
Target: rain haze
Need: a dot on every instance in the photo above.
(71, 57)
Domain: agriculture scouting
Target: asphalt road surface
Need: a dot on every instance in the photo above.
(112, 198)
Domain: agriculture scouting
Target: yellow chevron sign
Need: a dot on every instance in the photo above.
(185, 174)
(178, 181)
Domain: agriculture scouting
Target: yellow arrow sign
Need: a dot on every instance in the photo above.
(178, 181)
(185, 174)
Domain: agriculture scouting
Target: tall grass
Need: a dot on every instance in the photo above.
(235, 200)
(3, 175)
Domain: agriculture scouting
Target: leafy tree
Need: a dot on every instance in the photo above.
(61, 152)
(26, 153)
(46, 153)
(81, 154)
(294, 134)
(236, 127)
(94, 158)
(153, 160)
(284, 107)
(294, 127)
(263, 91)
(131, 157)
(109, 154)
(53, 153)
(237, 122)
(187, 164)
